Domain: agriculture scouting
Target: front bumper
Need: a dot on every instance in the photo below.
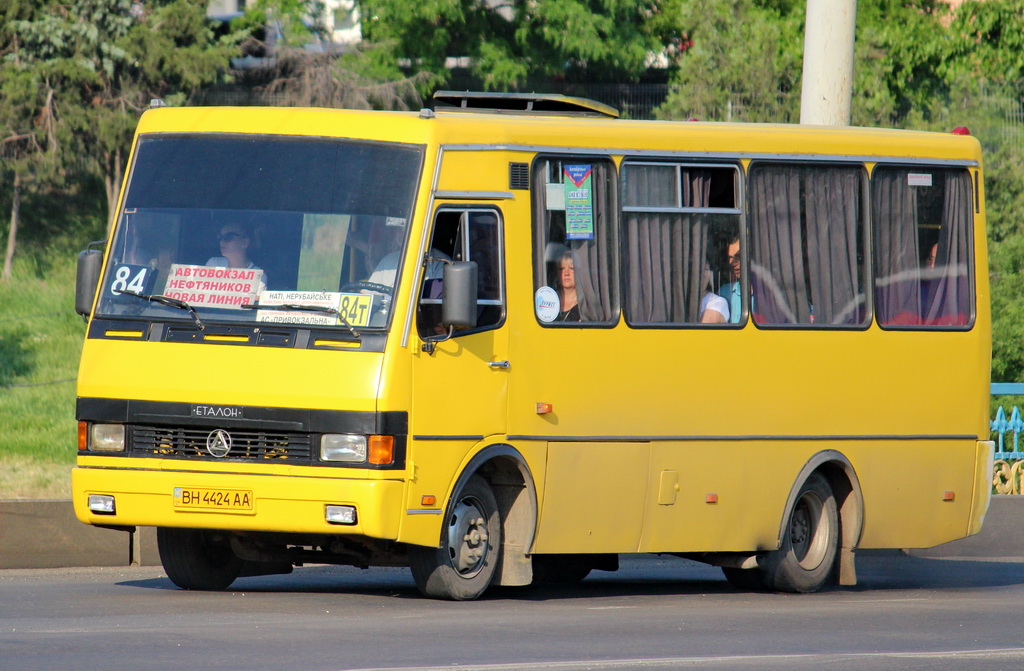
(293, 503)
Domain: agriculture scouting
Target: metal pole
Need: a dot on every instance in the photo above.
(827, 87)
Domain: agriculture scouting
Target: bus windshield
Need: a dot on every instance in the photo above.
(241, 228)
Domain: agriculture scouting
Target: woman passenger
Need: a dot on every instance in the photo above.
(568, 308)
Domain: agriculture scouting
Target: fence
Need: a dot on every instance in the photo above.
(1009, 465)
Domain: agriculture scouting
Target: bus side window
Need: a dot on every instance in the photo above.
(678, 221)
(464, 234)
(923, 263)
(574, 209)
(807, 224)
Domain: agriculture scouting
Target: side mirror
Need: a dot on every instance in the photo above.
(458, 295)
(90, 263)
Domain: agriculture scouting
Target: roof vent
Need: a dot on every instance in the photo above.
(521, 103)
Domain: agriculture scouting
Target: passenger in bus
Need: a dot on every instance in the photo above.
(730, 291)
(713, 308)
(235, 240)
(568, 307)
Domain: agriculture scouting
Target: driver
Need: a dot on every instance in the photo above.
(387, 268)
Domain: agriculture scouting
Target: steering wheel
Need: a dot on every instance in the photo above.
(361, 285)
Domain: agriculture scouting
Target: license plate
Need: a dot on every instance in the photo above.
(205, 498)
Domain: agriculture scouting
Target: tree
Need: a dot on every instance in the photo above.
(27, 124)
(353, 80)
(505, 43)
(104, 60)
(741, 61)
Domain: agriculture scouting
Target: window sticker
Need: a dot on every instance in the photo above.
(129, 277)
(919, 179)
(579, 202)
(355, 308)
(213, 286)
(546, 304)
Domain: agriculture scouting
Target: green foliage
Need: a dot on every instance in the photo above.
(101, 61)
(507, 43)
(289, 23)
(742, 61)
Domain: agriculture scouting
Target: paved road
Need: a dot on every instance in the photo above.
(655, 613)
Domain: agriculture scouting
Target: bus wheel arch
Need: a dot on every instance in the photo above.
(503, 472)
(832, 468)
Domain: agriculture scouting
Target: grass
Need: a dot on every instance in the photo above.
(40, 344)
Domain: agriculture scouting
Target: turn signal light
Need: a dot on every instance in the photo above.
(83, 435)
(382, 450)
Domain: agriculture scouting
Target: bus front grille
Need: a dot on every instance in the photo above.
(181, 443)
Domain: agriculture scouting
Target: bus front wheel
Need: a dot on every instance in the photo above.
(195, 559)
(463, 566)
(805, 561)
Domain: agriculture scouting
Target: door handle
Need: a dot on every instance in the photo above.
(499, 364)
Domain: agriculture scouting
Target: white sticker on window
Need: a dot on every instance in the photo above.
(546, 304)
(919, 179)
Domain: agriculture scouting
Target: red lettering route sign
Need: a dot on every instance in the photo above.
(213, 287)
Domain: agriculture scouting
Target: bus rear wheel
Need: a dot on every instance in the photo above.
(463, 566)
(805, 561)
(195, 559)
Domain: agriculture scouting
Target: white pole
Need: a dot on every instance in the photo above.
(827, 87)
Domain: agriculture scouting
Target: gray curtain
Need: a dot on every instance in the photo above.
(594, 259)
(833, 199)
(947, 291)
(805, 228)
(666, 251)
(897, 276)
(777, 271)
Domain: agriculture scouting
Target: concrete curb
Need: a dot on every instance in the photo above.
(46, 534)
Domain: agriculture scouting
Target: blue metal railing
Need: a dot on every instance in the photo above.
(1000, 426)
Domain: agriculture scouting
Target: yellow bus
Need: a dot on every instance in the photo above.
(513, 336)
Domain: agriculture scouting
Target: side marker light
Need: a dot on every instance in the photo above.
(711, 498)
(544, 408)
(949, 496)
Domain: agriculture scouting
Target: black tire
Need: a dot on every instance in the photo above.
(745, 579)
(193, 559)
(806, 559)
(463, 567)
(561, 569)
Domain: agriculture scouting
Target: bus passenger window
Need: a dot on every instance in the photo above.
(807, 227)
(923, 263)
(463, 234)
(574, 252)
(679, 222)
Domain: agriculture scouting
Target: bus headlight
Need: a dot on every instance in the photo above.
(342, 447)
(107, 437)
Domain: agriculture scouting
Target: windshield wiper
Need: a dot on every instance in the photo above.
(167, 300)
(304, 308)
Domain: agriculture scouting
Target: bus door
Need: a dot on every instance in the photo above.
(460, 380)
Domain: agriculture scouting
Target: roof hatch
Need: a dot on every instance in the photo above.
(521, 103)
